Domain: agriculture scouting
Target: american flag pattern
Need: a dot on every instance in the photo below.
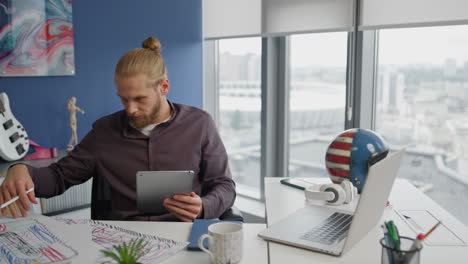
(338, 157)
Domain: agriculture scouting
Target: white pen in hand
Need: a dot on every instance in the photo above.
(14, 199)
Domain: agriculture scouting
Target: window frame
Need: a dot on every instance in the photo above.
(361, 94)
(361, 70)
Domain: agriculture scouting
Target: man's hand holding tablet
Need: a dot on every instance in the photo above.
(159, 192)
(185, 207)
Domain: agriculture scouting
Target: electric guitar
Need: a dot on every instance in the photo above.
(14, 142)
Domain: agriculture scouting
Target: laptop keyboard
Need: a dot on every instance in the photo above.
(331, 230)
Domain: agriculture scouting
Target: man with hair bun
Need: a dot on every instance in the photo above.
(151, 133)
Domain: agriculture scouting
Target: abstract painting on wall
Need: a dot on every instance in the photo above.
(36, 38)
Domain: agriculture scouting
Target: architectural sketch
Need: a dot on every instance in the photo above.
(29, 241)
(158, 249)
(107, 236)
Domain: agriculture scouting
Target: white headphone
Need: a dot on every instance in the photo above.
(334, 194)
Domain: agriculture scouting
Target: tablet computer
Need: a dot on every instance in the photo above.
(154, 186)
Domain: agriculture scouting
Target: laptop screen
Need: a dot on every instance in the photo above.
(373, 198)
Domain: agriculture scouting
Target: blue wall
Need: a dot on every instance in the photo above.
(103, 32)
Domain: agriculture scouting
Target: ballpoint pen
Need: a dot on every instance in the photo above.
(14, 199)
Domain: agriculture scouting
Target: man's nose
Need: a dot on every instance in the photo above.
(131, 108)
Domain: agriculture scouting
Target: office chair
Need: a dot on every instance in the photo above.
(101, 203)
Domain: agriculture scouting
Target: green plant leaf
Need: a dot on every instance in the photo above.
(127, 253)
(111, 255)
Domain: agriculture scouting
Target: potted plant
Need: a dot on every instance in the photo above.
(127, 253)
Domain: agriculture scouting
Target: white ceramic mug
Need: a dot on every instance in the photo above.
(224, 241)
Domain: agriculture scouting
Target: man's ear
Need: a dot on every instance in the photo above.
(165, 86)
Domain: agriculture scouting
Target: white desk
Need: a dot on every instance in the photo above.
(282, 200)
(255, 248)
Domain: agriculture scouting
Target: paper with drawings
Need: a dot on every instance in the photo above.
(40, 239)
(28, 240)
(107, 236)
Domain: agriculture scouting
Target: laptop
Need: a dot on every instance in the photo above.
(333, 231)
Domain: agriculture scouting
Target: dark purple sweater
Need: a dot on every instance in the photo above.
(116, 151)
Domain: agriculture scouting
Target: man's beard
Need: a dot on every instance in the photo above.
(144, 120)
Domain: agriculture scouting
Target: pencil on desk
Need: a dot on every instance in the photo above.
(432, 229)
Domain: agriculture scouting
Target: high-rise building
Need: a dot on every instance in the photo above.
(391, 93)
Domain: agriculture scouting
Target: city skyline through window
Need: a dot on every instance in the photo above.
(317, 99)
(240, 110)
(422, 106)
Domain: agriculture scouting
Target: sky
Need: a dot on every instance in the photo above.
(424, 45)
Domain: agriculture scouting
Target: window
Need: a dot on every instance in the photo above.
(240, 110)
(317, 99)
(422, 104)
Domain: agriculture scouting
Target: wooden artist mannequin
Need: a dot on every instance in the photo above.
(73, 108)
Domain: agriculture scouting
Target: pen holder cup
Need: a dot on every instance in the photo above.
(404, 255)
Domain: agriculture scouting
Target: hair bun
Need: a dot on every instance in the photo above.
(153, 44)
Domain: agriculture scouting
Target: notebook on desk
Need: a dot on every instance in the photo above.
(310, 227)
